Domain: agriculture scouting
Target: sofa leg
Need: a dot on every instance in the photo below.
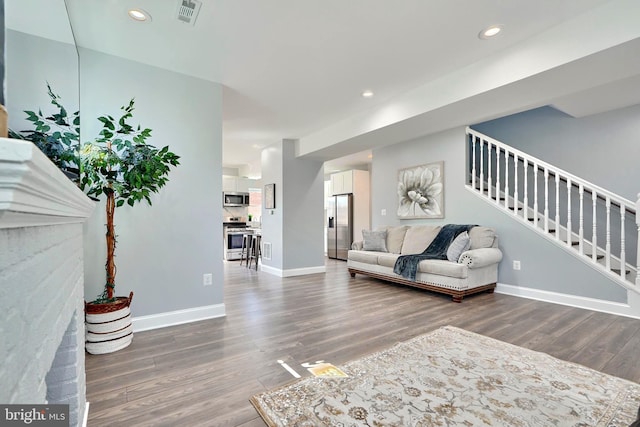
(457, 298)
(490, 291)
(352, 273)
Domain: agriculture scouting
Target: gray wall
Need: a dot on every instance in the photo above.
(544, 265)
(295, 229)
(304, 215)
(603, 148)
(26, 77)
(162, 250)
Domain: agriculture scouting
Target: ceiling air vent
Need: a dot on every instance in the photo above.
(188, 11)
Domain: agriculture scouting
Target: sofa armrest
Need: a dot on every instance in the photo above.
(357, 245)
(476, 258)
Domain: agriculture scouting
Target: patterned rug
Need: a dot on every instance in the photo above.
(452, 377)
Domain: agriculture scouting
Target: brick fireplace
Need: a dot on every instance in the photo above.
(41, 281)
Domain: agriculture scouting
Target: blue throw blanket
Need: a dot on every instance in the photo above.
(407, 265)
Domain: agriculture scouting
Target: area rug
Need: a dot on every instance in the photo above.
(452, 377)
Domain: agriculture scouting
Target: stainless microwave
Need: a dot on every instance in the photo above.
(235, 199)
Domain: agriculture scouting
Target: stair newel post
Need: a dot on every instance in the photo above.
(557, 218)
(638, 241)
(569, 225)
(525, 211)
(473, 161)
(623, 251)
(594, 237)
(581, 232)
(608, 234)
(516, 200)
(506, 179)
(535, 195)
(481, 166)
(546, 200)
(498, 174)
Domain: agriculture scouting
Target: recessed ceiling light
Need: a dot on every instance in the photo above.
(367, 94)
(139, 15)
(489, 32)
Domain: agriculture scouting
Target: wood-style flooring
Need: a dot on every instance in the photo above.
(202, 374)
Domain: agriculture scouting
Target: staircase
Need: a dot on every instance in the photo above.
(595, 225)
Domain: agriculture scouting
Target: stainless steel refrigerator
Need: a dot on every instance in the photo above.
(339, 225)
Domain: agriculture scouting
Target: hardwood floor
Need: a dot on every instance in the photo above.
(202, 374)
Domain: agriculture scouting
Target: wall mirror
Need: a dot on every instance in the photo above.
(39, 48)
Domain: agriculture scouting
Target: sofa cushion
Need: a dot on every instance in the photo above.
(374, 240)
(364, 256)
(481, 237)
(443, 268)
(395, 237)
(387, 260)
(418, 238)
(459, 245)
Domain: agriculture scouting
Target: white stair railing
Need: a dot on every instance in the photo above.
(500, 171)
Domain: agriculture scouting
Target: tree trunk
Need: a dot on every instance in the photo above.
(111, 244)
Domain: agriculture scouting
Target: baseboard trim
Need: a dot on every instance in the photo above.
(293, 271)
(617, 308)
(86, 414)
(178, 317)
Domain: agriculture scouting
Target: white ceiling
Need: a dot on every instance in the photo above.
(294, 68)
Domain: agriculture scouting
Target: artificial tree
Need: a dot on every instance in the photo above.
(57, 135)
(122, 166)
(118, 164)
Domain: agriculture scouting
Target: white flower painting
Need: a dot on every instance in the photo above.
(421, 191)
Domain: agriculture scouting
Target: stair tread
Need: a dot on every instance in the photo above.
(617, 270)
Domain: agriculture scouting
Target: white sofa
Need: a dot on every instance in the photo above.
(475, 271)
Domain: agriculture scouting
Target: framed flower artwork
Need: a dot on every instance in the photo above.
(421, 191)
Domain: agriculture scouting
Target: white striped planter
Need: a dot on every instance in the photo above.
(109, 331)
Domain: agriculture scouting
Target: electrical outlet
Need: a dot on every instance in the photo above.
(383, 212)
(516, 265)
(207, 279)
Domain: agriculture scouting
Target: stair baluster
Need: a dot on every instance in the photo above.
(525, 211)
(498, 150)
(515, 184)
(557, 207)
(569, 224)
(506, 179)
(473, 161)
(481, 167)
(623, 251)
(594, 237)
(581, 232)
(608, 236)
(535, 195)
(489, 158)
(546, 200)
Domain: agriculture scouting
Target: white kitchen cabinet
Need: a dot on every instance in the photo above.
(342, 182)
(235, 184)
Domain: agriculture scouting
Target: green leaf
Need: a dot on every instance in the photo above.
(130, 201)
(119, 203)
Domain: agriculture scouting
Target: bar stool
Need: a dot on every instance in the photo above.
(247, 240)
(256, 250)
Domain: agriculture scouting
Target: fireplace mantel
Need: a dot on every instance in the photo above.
(33, 191)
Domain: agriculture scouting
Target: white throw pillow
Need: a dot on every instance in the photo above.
(374, 240)
(459, 245)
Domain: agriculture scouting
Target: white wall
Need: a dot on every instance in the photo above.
(544, 266)
(162, 250)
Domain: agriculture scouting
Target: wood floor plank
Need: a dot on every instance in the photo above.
(203, 373)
